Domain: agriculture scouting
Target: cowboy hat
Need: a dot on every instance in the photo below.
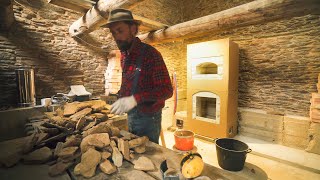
(118, 15)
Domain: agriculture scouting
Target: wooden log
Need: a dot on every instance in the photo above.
(260, 11)
(67, 5)
(79, 6)
(148, 24)
(98, 15)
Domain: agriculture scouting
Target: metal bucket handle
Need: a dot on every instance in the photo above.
(247, 151)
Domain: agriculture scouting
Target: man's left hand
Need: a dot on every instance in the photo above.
(123, 105)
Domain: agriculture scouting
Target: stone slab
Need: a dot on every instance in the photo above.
(292, 156)
(295, 141)
(261, 120)
(261, 134)
(296, 126)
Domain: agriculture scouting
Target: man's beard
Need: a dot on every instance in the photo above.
(123, 45)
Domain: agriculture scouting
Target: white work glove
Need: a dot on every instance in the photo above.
(123, 105)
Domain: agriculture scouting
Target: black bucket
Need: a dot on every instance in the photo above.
(231, 153)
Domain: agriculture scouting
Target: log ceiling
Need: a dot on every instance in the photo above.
(96, 14)
(97, 11)
(76, 5)
(255, 12)
(259, 11)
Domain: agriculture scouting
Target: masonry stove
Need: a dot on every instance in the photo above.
(212, 88)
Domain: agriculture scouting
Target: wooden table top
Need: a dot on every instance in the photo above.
(158, 154)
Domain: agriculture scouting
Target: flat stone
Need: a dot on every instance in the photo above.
(72, 108)
(296, 126)
(89, 162)
(98, 105)
(38, 156)
(143, 163)
(97, 140)
(105, 155)
(75, 156)
(80, 114)
(107, 167)
(96, 143)
(81, 123)
(99, 117)
(59, 168)
(68, 151)
(41, 137)
(261, 120)
(58, 148)
(88, 126)
(72, 141)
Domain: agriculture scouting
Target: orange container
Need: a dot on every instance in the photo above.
(184, 140)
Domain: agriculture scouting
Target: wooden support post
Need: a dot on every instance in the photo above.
(163, 142)
(255, 12)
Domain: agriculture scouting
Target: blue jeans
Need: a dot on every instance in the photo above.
(142, 124)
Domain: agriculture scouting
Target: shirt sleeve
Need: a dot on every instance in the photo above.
(161, 82)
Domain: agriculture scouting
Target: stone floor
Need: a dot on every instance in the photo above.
(274, 167)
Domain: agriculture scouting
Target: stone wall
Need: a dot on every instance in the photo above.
(279, 63)
(164, 11)
(193, 9)
(39, 39)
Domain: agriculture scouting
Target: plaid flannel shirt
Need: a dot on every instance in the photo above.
(154, 83)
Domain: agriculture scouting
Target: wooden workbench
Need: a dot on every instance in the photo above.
(154, 151)
(158, 154)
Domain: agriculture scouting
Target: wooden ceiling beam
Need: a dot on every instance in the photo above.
(68, 5)
(149, 24)
(98, 15)
(260, 11)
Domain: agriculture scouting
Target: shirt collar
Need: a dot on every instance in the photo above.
(135, 48)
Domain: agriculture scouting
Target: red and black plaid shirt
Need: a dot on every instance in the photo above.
(154, 84)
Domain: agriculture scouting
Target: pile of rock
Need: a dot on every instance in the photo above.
(81, 134)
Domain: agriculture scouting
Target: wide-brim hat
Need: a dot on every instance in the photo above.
(118, 15)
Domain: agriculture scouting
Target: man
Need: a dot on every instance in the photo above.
(145, 79)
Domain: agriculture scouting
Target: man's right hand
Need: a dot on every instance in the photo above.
(123, 105)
